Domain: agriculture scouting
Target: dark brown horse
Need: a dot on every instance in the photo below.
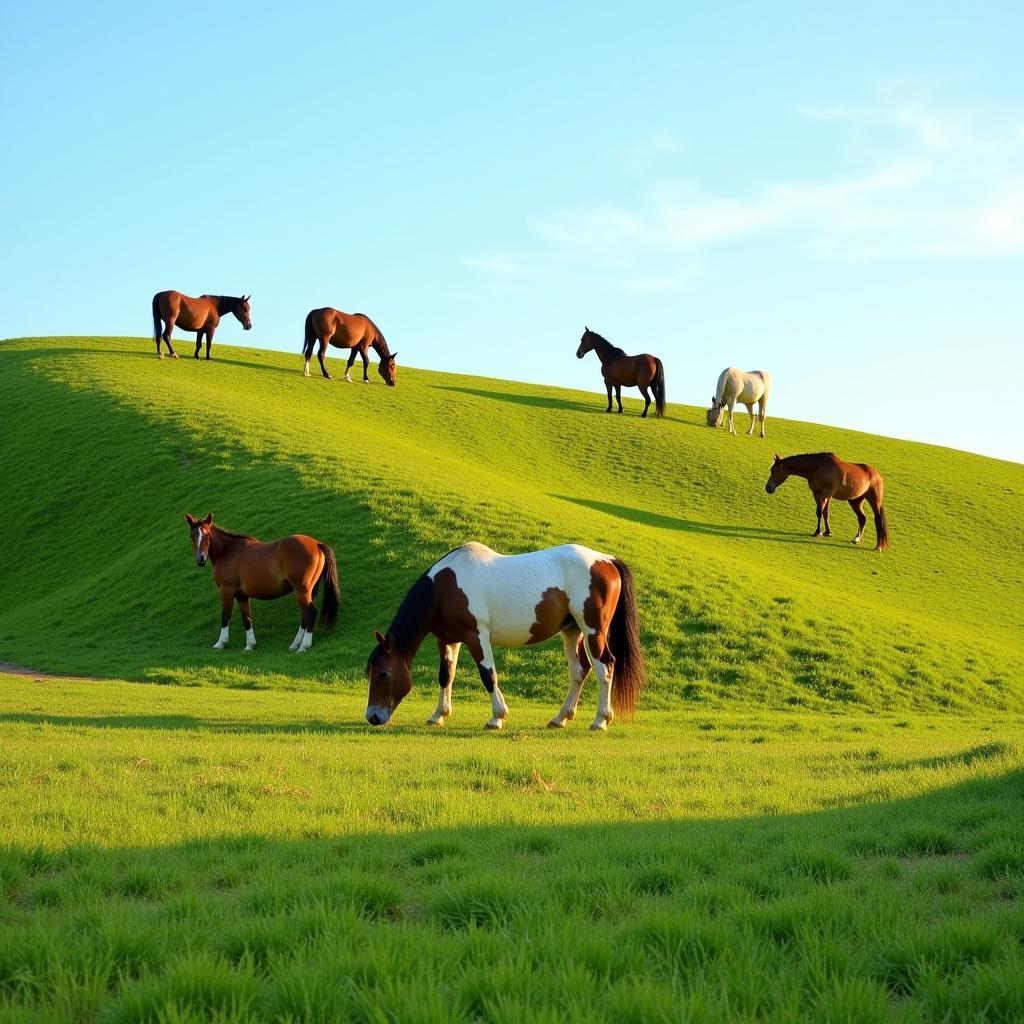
(828, 478)
(201, 315)
(243, 567)
(330, 326)
(476, 597)
(619, 371)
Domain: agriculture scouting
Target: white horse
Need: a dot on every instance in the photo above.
(746, 388)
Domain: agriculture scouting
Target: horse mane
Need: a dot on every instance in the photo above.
(234, 536)
(380, 346)
(408, 626)
(224, 303)
(613, 349)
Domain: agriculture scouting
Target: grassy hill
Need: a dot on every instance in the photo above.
(104, 448)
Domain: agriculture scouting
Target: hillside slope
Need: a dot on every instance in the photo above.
(103, 449)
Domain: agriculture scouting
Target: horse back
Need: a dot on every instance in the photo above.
(343, 330)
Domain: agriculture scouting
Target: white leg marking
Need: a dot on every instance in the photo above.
(298, 640)
(307, 640)
(305, 369)
(250, 639)
(444, 699)
(567, 712)
(604, 692)
(348, 377)
(223, 641)
(499, 709)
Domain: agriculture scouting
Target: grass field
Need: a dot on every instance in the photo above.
(816, 814)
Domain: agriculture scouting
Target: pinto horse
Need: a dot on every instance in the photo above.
(201, 315)
(476, 597)
(746, 388)
(619, 371)
(828, 478)
(243, 568)
(355, 331)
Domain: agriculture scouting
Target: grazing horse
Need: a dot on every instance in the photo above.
(476, 597)
(330, 326)
(828, 478)
(201, 315)
(243, 567)
(619, 370)
(746, 388)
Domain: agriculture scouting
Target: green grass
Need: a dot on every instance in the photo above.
(183, 854)
(106, 448)
(816, 814)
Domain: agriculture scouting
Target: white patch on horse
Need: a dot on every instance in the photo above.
(298, 640)
(223, 641)
(250, 639)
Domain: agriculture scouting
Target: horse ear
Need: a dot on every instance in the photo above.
(209, 518)
(381, 639)
(190, 519)
(394, 356)
(776, 458)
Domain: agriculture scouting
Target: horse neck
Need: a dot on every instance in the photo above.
(225, 303)
(602, 347)
(380, 346)
(801, 465)
(221, 543)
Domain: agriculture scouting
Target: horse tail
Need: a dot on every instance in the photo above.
(881, 525)
(309, 336)
(156, 318)
(332, 592)
(630, 673)
(658, 387)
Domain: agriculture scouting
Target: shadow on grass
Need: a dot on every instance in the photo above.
(664, 522)
(534, 401)
(743, 916)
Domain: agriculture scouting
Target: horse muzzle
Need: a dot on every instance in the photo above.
(201, 560)
(769, 487)
(579, 354)
(376, 714)
(248, 327)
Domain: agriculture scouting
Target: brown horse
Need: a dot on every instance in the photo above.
(476, 597)
(330, 326)
(244, 568)
(619, 371)
(828, 478)
(201, 315)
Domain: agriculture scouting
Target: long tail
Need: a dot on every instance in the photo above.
(309, 338)
(332, 592)
(658, 387)
(881, 526)
(630, 672)
(156, 318)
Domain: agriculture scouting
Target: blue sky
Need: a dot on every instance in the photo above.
(834, 193)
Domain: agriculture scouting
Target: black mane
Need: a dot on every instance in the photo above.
(410, 622)
(609, 347)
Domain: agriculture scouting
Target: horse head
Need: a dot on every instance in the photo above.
(715, 413)
(241, 312)
(386, 368)
(201, 531)
(390, 678)
(586, 343)
(778, 476)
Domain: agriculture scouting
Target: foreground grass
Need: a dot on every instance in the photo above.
(104, 448)
(186, 854)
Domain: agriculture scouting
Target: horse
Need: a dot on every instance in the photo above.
(477, 597)
(330, 326)
(201, 315)
(828, 478)
(746, 388)
(619, 370)
(244, 567)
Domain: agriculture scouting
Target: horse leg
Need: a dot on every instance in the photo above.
(169, 326)
(199, 344)
(604, 668)
(158, 335)
(307, 610)
(366, 366)
(827, 503)
(445, 676)
(608, 386)
(732, 409)
(861, 518)
(250, 633)
(227, 600)
(618, 396)
(579, 666)
(753, 420)
(647, 401)
(760, 411)
(484, 658)
(348, 366)
(321, 352)
(819, 505)
(209, 339)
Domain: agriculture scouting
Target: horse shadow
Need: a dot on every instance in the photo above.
(635, 515)
(535, 401)
(184, 723)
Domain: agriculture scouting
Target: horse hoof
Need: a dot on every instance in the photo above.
(435, 723)
(599, 727)
(556, 723)
(496, 724)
